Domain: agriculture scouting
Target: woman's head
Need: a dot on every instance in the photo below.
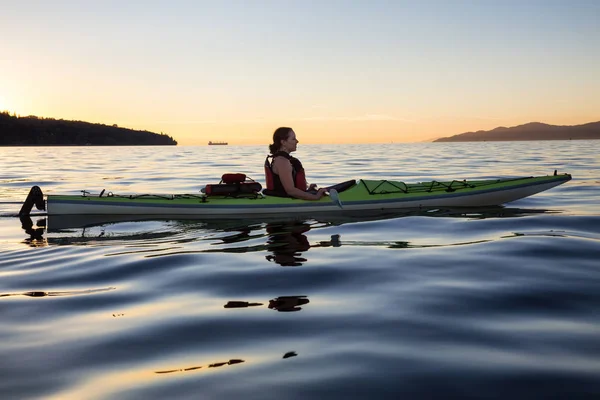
(284, 139)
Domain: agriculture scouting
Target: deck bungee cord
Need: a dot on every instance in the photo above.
(429, 187)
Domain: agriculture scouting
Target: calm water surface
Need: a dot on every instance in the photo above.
(497, 303)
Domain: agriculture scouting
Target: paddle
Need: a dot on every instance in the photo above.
(335, 198)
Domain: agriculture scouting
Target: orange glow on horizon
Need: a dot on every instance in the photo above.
(323, 130)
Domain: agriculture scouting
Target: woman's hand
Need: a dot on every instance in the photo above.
(313, 186)
(321, 192)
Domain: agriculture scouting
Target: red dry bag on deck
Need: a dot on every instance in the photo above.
(233, 185)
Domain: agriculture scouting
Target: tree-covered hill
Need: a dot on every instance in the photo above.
(530, 131)
(35, 131)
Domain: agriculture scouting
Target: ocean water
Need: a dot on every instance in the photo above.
(487, 304)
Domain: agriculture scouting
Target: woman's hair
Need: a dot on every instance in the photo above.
(279, 135)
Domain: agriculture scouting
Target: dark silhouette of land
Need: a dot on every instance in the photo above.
(35, 131)
(530, 131)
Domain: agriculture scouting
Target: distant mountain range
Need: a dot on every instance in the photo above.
(530, 131)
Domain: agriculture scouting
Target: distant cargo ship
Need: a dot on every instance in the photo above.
(217, 143)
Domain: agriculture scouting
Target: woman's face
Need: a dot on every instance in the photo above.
(290, 143)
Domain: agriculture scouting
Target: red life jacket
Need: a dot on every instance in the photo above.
(274, 182)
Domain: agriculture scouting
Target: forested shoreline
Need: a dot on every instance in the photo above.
(36, 131)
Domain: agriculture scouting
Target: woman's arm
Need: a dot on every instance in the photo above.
(283, 168)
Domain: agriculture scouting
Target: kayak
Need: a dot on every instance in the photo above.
(361, 195)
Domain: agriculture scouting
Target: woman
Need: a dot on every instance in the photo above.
(284, 174)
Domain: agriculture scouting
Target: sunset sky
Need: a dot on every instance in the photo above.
(335, 71)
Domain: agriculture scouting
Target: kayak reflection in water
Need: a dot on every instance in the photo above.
(288, 303)
(233, 361)
(281, 303)
(35, 232)
(287, 242)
